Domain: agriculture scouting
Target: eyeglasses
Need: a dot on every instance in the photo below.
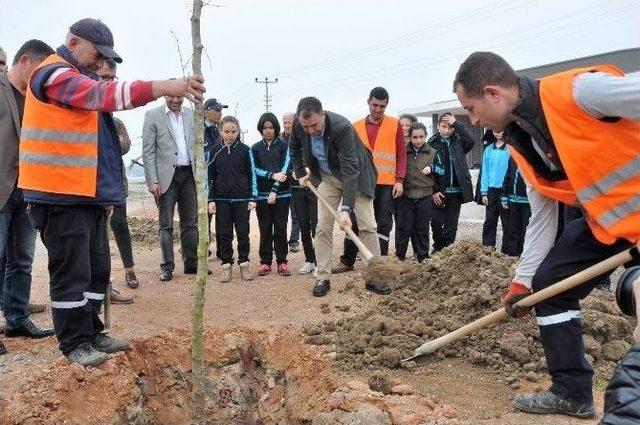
(108, 78)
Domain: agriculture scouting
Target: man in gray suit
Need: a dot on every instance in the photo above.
(168, 137)
(17, 235)
(3, 61)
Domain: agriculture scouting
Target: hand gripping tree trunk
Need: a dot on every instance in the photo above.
(197, 310)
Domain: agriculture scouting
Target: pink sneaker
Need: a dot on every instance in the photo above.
(264, 269)
(284, 270)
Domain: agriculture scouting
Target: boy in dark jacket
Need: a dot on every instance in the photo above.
(272, 162)
(413, 210)
(453, 188)
(232, 195)
(515, 200)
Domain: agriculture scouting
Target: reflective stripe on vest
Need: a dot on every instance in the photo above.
(601, 160)
(58, 146)
(384, 147)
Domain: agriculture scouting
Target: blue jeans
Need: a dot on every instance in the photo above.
(17, 242)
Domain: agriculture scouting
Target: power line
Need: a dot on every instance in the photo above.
(437, 59)
(267, 98)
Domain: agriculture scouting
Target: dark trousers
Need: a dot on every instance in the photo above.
(122, 235)
(412, 222)
(494, 211)
(519, 214)
(181, 191)
(230, 215)
(559, 318)
(383, 209)
(295, 223)
(306, 207)
(79, 268)
(444, 222)
(272, 221)
(17, 247)
(569, 214)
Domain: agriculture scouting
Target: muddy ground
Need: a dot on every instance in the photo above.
(287, 380)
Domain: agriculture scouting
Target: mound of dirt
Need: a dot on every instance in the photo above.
(252, 378)
(460, 284)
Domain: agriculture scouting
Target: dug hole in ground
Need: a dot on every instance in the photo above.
(276, 355)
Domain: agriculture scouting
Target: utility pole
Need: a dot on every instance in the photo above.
(267, 98)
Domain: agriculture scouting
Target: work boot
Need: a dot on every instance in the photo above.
(117, 298)
(29, 330)
(85, 355)
(35, 308)
(547, 402)
(379, 288)
(131, 280)
(341, 268)
(245, 271)
(104, 343)
(321, 288)
(225, 274)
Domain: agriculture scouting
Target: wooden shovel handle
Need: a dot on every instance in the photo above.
(356, 240)
(564, 285)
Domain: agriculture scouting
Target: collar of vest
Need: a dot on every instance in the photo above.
(530, 123)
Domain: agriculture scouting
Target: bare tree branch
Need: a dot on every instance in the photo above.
(183, 64)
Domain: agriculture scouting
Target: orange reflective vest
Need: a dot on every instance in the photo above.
(601, 160)
(58, 146)
(384, 148)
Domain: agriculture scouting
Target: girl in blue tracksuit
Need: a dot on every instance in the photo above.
(232, 195)
(273, 165)
(495, 160)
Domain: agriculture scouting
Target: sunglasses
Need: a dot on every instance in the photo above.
(108, 78)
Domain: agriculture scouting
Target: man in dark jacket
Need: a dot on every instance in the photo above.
(452, 189)
(327, 144)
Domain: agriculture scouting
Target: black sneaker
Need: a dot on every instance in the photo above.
(3, 349)
(85, 355)
(294, 247)
(131, 280)
(547, 402)
(106, 344)
(321, 288)
(379, 288)
(166, 275)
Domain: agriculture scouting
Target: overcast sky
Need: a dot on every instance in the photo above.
(335, 50)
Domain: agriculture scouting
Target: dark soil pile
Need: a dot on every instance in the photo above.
(455, 287)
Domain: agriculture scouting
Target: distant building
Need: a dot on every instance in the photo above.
(628, 60)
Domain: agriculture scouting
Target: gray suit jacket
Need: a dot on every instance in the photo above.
(159, 148)
(9, 139)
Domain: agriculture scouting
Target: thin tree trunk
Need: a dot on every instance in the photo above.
(197, 310)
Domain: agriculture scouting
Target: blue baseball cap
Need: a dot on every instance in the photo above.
(97, 33)
(214, 104)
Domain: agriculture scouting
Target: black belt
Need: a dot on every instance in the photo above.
(183, 167)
